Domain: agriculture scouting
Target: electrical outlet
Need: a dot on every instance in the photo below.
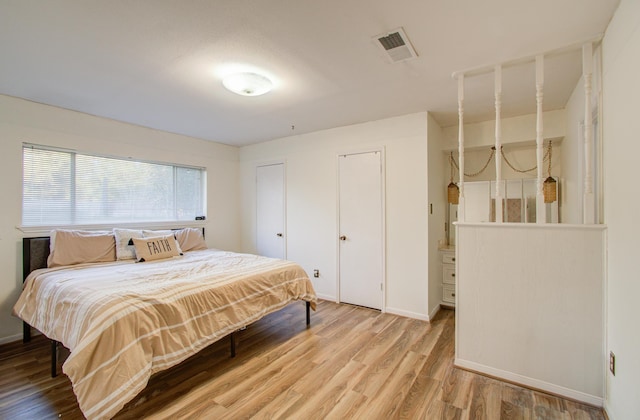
(316, 273)
(612, 363)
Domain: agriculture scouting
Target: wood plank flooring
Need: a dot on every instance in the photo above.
(352, 363)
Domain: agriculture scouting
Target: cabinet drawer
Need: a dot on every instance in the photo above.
(448, 258)
(449, 274)
(449, 293)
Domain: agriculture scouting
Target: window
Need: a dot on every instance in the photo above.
(62, 187)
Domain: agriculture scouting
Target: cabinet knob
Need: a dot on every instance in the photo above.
(279, 235)
(453, 294)
(453, 274)
(453, 259)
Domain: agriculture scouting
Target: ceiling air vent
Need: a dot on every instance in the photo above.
(396, 45)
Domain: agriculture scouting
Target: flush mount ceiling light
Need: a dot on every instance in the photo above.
(247, 84)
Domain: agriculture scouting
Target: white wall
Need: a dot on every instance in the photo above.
(572, 163)
(518, 140)
(515, 130)
(437, 194)
(571, 180)
(311, 210)
(521, 156)
(530, 305)
(24, 121)
(621, 128)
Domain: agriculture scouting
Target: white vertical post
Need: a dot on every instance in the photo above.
(498, 96)
(541, 214)
(588, 204)
(461, 204)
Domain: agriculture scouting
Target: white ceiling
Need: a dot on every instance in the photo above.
(158, 63)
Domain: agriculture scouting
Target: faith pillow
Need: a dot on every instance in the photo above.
(149, 249)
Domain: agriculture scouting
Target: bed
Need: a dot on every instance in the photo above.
(123, 321)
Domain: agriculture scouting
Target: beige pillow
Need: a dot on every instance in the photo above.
(190, 239)
(77, 247)
(149, 249)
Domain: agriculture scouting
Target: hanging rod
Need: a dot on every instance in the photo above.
(476, 71)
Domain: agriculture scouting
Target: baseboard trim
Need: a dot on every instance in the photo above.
(434, 312)
(607, 410)
(11, 339)
(407, 314)
(393, 311)
(531, 383)
(326, 297)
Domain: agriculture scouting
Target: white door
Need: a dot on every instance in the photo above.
(360, 229)
(270, 199)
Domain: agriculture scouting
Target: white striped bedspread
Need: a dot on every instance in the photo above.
(125, 321)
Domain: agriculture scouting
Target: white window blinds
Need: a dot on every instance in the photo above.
(65, 188)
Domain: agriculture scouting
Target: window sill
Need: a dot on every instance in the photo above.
(45, 230)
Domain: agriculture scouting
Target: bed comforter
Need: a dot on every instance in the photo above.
(125, 321)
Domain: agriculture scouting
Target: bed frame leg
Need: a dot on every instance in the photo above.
(26, 332)
(308, 313)
(54, 358)
(233, 345)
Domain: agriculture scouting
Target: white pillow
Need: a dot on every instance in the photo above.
(155, 233)
(124, 251)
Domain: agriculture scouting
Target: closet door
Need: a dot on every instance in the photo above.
(270, 211)
(360, 238)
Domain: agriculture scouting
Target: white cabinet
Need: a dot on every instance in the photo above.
(449, 277)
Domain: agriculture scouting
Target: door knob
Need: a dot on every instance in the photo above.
(279, 235)
(343, 238)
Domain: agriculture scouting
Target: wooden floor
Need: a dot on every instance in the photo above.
(351, 363)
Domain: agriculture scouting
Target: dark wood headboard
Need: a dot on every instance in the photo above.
(35, 252)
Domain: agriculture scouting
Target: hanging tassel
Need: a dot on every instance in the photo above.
(453, 193)
(550, 190)
(550, 186)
